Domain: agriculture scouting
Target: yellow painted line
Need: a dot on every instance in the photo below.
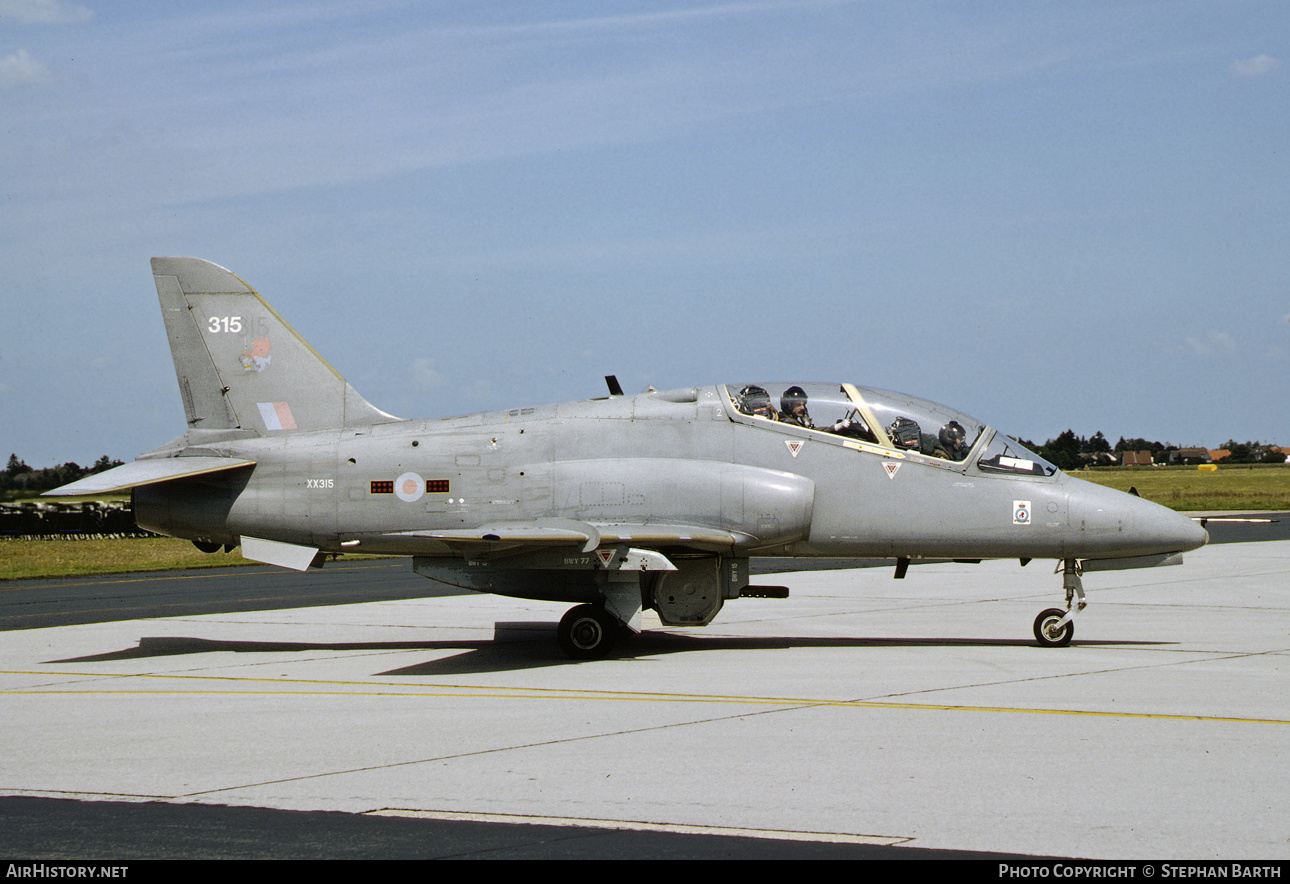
(388, 689)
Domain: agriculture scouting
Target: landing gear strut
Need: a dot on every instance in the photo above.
(587, 632)
(1054, 628)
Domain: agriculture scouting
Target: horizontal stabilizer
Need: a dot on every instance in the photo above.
(148, 472)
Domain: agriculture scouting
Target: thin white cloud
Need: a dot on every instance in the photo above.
(635, 21)
(1215, 343)
(425, 375)
(43, 12)
(19, 69)
(1257, 66)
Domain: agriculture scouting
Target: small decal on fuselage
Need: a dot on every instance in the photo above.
(320, 483)
(794, 445)
(891, 467)
(1021, 512)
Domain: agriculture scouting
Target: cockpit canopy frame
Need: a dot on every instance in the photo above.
(882, 422)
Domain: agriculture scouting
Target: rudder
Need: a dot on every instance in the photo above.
(240, 365)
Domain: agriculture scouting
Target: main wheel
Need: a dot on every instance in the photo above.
(587, 632)
(1044, 633)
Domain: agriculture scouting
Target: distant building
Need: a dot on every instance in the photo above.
(1192, 455)
(1136, 458)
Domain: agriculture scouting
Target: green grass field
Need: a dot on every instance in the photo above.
(1245, 489)
(63, 558)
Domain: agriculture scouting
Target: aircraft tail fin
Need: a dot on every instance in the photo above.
(240, 365)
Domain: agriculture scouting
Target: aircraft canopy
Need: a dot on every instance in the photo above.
(885, 421)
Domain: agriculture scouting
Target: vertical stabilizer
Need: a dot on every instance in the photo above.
(239, 365)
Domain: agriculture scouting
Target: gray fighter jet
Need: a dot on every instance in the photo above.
(655, 501)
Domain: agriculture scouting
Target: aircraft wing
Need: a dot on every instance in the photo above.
(507, 539)
(513, 534)
(548, 533)
(651, 536)
(148, 472)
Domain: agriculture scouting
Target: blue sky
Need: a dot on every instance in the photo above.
(1047, 215)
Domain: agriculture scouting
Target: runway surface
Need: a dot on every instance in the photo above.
(863, 716)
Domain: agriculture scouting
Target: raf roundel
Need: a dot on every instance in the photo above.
(409, 487)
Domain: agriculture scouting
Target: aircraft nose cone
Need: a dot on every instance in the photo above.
(1174, 530)
(1118, 524)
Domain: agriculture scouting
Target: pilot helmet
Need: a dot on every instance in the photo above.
(753, 399)
(953, 434)
(792, 396)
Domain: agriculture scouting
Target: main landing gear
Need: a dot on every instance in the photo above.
(587, 632)
(1054, 628)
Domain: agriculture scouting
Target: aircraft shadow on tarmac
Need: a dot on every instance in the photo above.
(521, 646)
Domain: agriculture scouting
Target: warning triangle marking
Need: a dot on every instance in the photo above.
(606, 556)
(890, 468)
(794, 445)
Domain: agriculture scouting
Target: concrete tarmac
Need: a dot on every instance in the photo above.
(861, 710)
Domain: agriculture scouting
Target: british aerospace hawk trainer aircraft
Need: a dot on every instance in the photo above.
(621, 504)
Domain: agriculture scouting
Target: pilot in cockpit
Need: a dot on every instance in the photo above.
(792, 408)
(951, 442)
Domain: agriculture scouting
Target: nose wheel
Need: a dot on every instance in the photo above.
(587, 632)
(1054, 628)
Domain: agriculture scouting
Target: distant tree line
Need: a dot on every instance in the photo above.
(1070, 452)
(18, 478)
(1251, 452)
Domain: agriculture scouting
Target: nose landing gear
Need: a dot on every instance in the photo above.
(1054, 628)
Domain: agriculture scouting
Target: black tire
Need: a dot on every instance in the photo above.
(1045, 620)
(587, 632)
